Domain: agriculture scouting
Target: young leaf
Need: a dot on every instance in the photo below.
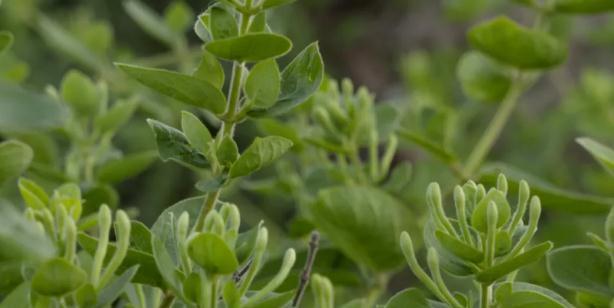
(508, 42)
(195, 131)
(299, 80)
(201, 27)
(117, 170)
(521, 294)
(115, 117)
(478, 218)
(211, 252)
(20, 238)
(364, 222)
(459, 248)
(481, 78)
(58, 277)
(150, 22)
(6, 40)
(603, 154)
(583, 6)
(222, 23)
(15, 157)
(531, 255)
(263, 84)
(258, 23)
(581, 268)
(116, 287)
(81, 94)
(210, 69)
(173, 145)
(227, 151)
(409, 298)
(185, 88)
(252, 47)
(33, 195)
(23, 111)
(260, 153)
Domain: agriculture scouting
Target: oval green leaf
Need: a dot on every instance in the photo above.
(58, 277)
(459, 248)
(481, 78)
(531, 255)
(505, 40)
(252, 47)
(173, 145)
(211, 252)
(184, 88)
(263, 84)
(260, 153)
(478, 217)
(117, 170)
(15, 157)
(581, 268)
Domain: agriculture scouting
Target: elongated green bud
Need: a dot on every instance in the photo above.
(432, 259)
(407, 247)
(214, 223)
(104, 227)
(534, 214)
(183, 225)
(323, 291)
(502, 184)
(461, 214)
(70, 240)
(122, 232)
(492, 215)
(259, 248)
(286, 266)
(524, 193)
(433, 200)
(231, 216)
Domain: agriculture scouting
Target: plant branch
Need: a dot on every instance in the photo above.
(492, 132)
(304, 278)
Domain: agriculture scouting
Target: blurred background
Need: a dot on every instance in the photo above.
(404, 51)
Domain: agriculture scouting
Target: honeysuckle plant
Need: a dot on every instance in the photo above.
(487, 241)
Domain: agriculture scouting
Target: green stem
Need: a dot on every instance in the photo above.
(492, 132)
(486, 295)
(168, 300)
(214, 280)
(228, 125)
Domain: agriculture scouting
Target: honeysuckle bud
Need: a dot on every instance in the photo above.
(492, 215)
(433, 199)
(502, 185)
(323, 291)
(122, 232)
(259, 248)
(286, 266)
(183, 225)
(214, 223)
(70, 239)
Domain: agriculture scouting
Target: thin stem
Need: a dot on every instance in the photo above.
(168, 300)
(492, 132)
(306, 274)
(214, 281)
(486, 295)
(229, 123)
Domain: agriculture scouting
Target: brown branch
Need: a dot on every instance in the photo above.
(306, 274)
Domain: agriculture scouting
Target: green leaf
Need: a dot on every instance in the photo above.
(551, 197)
(210, 185)
(6, 40)
(118, 170)
(150, 22)
(210, 70)
(300, 79)
(481, 78)
(508, 42)
(459, 248)
(184, 88)
(263, 84)
(258, 23)
(173, 145)
(65, 43)
(116, 287)
(531, 255)
(22, 111)
(267, 4)
(15, 157)
(33, 195)
(140, 237)
(448, 261)
(222, 23)
(18, 298)
(58, 277)
(81, 94)
(201, 27)
(195, 131)
(410, 297)
(526, 295)
(603, 154)
(116, 116)
(364, 222)
(178, 16)
(273, 300)
(211, 252)
(21, 239)
(581, 268)
(583, 6)
(252, 47)
(260, 153)
(227, 151)
(478, 217)
(165, 264)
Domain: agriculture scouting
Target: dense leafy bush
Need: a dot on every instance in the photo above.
(303, 197)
